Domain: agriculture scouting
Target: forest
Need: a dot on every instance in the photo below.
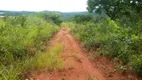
(112, 28)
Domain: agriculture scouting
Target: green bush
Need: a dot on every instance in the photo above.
(136, 63)
(20, 41)
(111, 39)
(83, 18)
(51, 16)
(21, 37)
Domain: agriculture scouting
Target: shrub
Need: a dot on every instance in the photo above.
(112, 39)
(83, 18)
(136, 63)
(21, 37)
(52, 17)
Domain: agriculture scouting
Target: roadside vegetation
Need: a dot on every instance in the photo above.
(111, 40)
(23, 38)
(114, 36)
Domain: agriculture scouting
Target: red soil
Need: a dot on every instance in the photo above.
(77, 65)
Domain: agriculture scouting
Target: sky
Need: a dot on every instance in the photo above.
(40, 5)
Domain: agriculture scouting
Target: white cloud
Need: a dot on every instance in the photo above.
(39, 5)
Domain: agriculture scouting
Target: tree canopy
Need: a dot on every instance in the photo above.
(83, 18)
(117, 8)
(51, 16)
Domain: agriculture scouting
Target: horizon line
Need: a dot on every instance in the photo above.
(42, 11)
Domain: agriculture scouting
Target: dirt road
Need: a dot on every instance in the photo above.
(77, 65)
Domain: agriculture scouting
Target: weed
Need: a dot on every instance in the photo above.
(47, 60)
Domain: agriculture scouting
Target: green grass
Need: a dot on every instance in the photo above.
(23, 39)
(49, 60)
(9, 74)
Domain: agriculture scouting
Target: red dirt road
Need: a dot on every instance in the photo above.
(77, 65)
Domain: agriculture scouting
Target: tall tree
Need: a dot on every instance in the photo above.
(115, 8)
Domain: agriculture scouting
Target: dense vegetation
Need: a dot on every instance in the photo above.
(117, 36)
(112, 40)
(63, 15)
(117, 8)
(21, 38)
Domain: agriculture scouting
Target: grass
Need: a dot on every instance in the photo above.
(22, 39)
(47, 60)
(11, 72)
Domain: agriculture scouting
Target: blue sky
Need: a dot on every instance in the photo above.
(40, 5)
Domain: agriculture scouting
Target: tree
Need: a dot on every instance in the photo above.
(116, 8)
(83, 18)
(51, 16)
